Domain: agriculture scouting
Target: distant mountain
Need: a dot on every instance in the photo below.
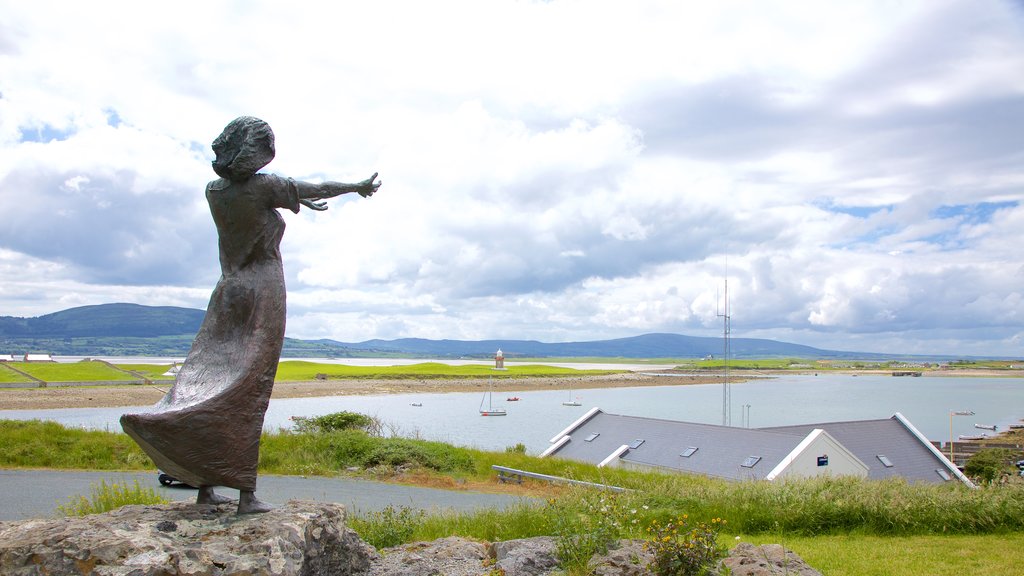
(117, 320)
(643, 346)
(136, 330)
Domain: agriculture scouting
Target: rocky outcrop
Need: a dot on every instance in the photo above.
(300, 539)
(536, 557)
(766, 560)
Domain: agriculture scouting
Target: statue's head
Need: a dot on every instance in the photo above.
(245, 146)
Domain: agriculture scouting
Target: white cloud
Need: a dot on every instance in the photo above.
(563, 170)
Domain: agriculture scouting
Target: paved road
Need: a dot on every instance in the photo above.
(37, 493)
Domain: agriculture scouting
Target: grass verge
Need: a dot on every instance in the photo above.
(840, 526)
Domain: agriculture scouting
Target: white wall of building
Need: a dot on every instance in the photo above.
(819, 455)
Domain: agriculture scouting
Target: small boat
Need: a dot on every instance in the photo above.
(417, 404)
(490, 410)
(571, 401)
(972, 436)
(512, 399)
(991, 427)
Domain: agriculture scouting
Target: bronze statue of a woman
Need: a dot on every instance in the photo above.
(206, 430)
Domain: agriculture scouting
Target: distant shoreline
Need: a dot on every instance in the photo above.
(110, 396)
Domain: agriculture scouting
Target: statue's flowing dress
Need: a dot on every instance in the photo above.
(206, 430)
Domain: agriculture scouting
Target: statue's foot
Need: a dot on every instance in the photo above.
(248, 504)
(208, 496)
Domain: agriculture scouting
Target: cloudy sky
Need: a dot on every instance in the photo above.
(558, 171)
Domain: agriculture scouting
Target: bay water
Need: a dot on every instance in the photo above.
(538, 415)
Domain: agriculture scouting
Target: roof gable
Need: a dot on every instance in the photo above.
(893, 439)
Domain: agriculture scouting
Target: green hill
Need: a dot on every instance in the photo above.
(117, 320)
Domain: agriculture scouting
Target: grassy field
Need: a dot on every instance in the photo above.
(291, 370)
(85, 371)
(8, 375)
(841, 526)
(296, 370)
(299, 370)
(151, 371)
(935, 555)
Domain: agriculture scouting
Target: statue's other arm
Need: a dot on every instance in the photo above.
(309, 193)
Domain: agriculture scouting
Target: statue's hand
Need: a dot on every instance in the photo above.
(318, 206)
(368, 187)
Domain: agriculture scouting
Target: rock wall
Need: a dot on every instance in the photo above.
(298, 539)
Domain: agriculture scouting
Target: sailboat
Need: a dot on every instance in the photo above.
(571, 401)
(491, 410)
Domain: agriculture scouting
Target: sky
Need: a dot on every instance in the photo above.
(850, 174)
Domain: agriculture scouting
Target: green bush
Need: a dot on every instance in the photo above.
(682, 550)
(107, 497)
(988, 464)
(519, 448)
(418, 453)
(337, 421)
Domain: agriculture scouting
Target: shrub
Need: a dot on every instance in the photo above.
(682, 550)
(337, 421)
(519, 448)
(419, 453)
(988, 464)
(110, 497)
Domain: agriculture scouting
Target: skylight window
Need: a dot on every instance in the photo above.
(689, 451)
(636, 443)
(592, 437)
(885, 461)
(943, 474)
(751, 461)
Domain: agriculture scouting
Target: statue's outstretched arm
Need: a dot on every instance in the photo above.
(309, 193)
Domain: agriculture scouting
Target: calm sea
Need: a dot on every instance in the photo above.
(537, 416)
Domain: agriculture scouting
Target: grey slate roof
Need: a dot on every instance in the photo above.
(721, 450)
(889, 437)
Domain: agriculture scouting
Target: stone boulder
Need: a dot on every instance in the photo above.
(526, 557)
(766, 560)
(299, 538)
(444, 557)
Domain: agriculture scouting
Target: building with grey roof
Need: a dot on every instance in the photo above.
(892, 447)
(870, 449)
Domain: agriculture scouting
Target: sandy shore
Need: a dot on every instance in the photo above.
(143, 395)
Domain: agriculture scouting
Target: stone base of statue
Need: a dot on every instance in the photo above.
(307, 538)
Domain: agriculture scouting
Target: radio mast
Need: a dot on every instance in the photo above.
(726, 329)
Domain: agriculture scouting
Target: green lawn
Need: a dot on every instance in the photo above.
(85, 371)
(8, 375)
(292, 370)
(860, 555)
(151, 371)
(298, 370)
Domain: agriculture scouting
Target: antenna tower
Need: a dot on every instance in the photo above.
(726, 329)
